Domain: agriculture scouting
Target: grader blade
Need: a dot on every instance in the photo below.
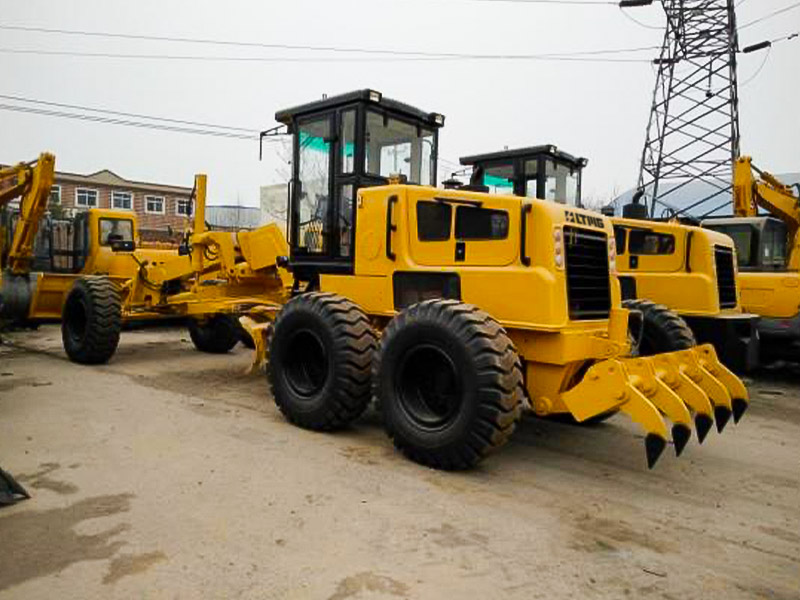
(257, 330)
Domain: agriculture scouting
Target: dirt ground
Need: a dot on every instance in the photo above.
(170, 474)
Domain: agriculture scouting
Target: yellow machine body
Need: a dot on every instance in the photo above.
(677, 265)
(765, 230)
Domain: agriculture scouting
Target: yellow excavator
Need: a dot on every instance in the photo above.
(765, 230)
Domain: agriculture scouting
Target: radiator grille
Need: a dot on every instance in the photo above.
(588, 281)
(726, 277)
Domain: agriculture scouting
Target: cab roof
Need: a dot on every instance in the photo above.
(366, 96)
(528, 152)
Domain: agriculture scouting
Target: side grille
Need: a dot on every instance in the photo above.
(588, 284)
(726, 277)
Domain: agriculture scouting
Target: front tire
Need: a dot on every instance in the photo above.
(449, 384)
(218, 334)
(91, 320)
(663, 330)
(320, 360)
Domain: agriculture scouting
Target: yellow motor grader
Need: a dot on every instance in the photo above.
(681, 278)
(454, 309)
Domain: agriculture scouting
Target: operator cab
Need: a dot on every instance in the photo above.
(341, 144)
(761, 242)
(543, 172)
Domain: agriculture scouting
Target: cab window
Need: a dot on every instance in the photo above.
(115, 230)
(499, 179)
(743, 237)
(433, 221)
(394, 147)
(620, 239)
(650, 243)
(773, 246)
(475, 223)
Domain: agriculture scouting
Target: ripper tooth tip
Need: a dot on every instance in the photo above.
(722, 415)
(739, 408)
(703, 425)
(654, 445)
(680, 437)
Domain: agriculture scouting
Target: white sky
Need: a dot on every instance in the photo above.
(595, 110)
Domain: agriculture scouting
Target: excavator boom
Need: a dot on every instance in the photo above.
(32, 186)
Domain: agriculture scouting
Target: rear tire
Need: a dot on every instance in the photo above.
(91, 320)
(218, 334)
(320, 360)
(663, 330)
(449, 384)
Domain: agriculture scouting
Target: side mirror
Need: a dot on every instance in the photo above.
(123, 245)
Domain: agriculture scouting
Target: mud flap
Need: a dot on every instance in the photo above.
(11, 492)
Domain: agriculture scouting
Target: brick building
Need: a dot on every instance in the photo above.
(162, 211)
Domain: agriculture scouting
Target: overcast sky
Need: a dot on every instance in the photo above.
(597, 110)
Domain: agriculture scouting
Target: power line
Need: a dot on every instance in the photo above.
(127, 114)
(563, 2)
(587, 56)
(128, 123)
(770, 15)
(637, 21)
(236, 43)
(758, 71)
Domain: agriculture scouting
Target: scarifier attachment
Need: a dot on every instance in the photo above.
(674, 385)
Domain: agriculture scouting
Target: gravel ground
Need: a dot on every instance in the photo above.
(170, 474)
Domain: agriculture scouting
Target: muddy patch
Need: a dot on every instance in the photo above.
(41, 480)
(378, 585)
(8, 384)
(450, 537)
(603, 535)
(131, 564)
(40, 543)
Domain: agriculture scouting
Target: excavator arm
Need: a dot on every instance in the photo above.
(31, 182)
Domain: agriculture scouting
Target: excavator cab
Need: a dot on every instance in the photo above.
(543, 172)
(341, 144)
(761, 242)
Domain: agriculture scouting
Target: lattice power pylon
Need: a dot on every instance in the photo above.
(693, 132)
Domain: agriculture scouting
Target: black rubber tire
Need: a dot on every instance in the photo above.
(664, 331)
(217, 335)
(468, 356)
(91, 320)
(320, 361)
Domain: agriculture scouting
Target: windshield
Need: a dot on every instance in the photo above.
(394, 147)
(115, 230)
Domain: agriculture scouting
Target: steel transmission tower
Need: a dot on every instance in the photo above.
(693, 132)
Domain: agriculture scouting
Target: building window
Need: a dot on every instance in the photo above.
(154, 204)
(122, 200)
(86, 198)
(55, 194)
(183, 206)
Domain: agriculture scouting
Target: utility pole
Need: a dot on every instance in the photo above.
(693, 131)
